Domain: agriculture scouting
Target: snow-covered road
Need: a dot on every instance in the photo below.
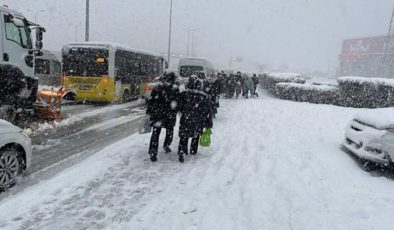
(272, 165)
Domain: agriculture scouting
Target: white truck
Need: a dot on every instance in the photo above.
(18, 85)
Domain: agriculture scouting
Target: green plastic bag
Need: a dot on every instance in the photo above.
(205, 139)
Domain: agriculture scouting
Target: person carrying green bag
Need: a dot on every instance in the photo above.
(196, 115)
(205, 139)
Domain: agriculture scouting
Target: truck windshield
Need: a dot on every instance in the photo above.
(18, 34)
(187, 71)
(85, 62)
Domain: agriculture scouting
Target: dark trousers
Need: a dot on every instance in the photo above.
(183, 145)
(154, 139)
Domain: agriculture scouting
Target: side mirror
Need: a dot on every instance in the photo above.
(39, 45)
(39, 37)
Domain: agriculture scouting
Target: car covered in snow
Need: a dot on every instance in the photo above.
(370, 136)
(15, 153)
(149, 87)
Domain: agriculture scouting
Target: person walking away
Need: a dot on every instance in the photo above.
(162, 108)
(212, 89)
(255, 82)
(248, 86)
(216, 88)
(238, 84)
(230, 86)
(222, 77)
(194, 106)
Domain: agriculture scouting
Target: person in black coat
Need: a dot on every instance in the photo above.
(212, 87)
(196, 111)
(256, 82)
(162, 108)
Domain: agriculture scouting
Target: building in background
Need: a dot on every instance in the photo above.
(363, 57)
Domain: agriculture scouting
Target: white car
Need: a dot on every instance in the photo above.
(15, 153)
(370, 136)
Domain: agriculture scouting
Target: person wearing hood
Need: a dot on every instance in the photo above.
(238, 84)
(195, 107)
(162, 109)
(248, 86)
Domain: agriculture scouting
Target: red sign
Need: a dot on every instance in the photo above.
(355, 48)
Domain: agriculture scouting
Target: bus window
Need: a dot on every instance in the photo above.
(86, 62)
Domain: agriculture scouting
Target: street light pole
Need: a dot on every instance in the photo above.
(87, 22)
(169, 37)
(35, 14)
(188, 41)
(190, 31)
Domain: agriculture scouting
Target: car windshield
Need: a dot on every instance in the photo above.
(196, 114)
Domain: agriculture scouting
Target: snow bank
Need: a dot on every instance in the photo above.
(318, 94)
(361, 80)
(268, 81)
(79, 117)
(362, 92)
(351, 91)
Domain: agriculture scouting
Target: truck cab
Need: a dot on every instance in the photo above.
(18, 85)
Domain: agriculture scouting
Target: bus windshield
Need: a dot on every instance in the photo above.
(85, 62)
(187, 71)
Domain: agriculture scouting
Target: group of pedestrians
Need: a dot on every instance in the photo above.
(238, 84)
(196, 105)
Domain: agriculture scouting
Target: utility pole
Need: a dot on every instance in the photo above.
(35, 14)
(169, 37)
(87, 22)
(189, 31)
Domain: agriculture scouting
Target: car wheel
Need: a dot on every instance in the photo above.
(369, 166)
(126, 96)
(10, 167)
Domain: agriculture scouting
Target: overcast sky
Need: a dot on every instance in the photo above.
(302, 34)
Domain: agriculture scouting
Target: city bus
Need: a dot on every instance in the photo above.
(107, 72)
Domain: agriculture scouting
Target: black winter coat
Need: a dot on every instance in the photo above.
(196, 113)
(162, 106)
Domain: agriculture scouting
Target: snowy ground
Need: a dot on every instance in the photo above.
(272, 165)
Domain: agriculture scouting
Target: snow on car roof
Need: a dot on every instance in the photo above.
(110, 45)
(378, 118)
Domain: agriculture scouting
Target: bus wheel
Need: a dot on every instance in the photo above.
(7, 113)
(126, 96)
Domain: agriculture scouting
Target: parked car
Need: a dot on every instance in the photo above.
(149, 87)
(370, 136)
(15, 153)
